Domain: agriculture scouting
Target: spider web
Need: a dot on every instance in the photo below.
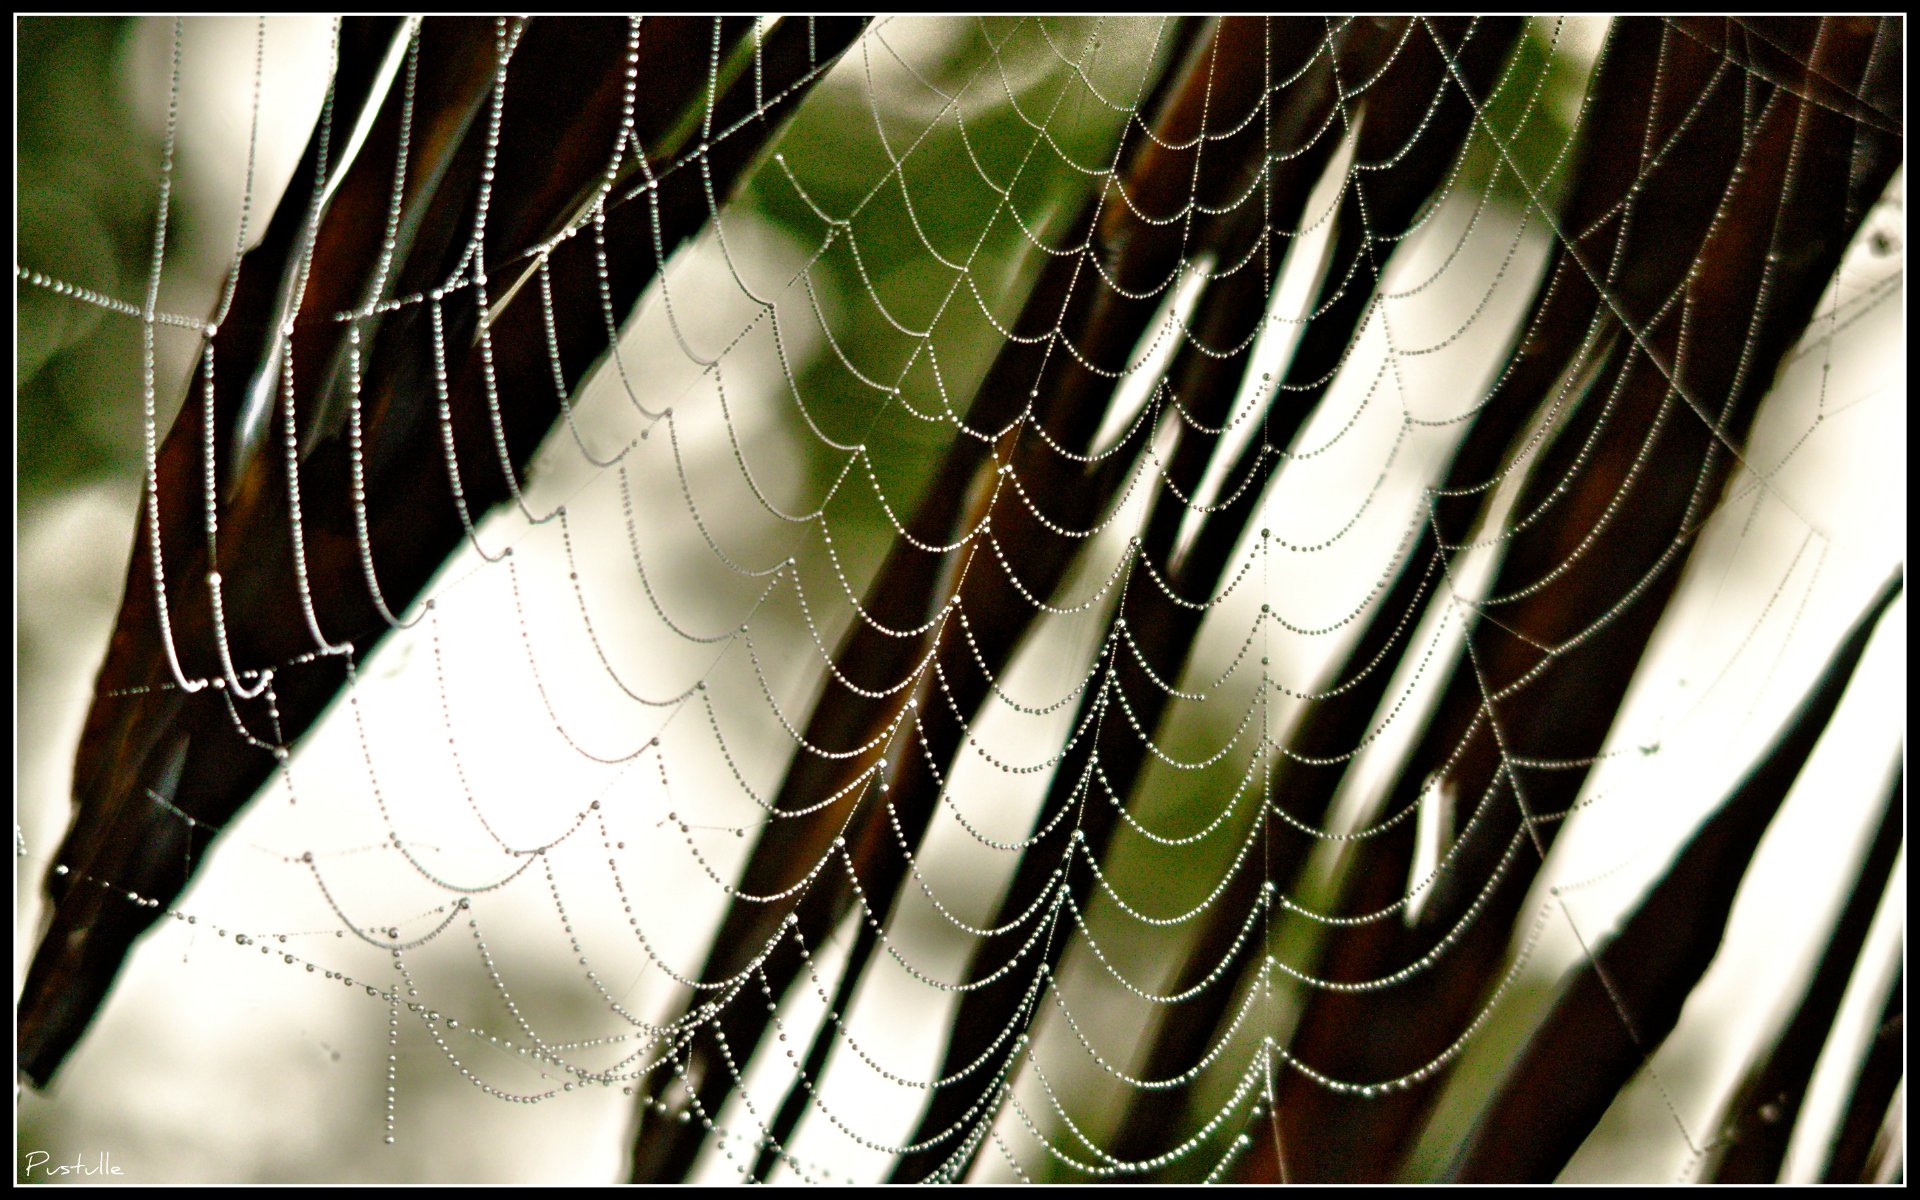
(1027, 658)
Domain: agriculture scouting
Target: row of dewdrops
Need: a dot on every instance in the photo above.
(274, 944)
(433, 1021)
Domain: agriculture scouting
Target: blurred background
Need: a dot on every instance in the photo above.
(776, 342)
